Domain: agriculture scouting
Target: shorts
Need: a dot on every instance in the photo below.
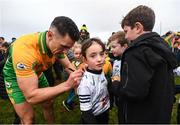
(15, 94)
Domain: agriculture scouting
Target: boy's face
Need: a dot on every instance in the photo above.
(130, 34)
(116, 48)
(95, 57)
(77, 53)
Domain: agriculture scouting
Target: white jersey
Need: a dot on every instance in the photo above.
(93, 93)
(116, 70)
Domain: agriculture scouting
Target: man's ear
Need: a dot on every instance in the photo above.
(139, 27)
(50, 35)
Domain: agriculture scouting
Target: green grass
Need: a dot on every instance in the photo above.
(61, 115)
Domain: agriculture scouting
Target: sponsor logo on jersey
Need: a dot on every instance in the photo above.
(8, 85)
(20, 66)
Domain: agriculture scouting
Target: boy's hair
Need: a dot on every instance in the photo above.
(89, 42)
(142, 14)
(120, 37)
(65, 25)
(76, 45)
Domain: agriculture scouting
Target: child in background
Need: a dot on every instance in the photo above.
(118, 45)
(69, 102)
(92, 91)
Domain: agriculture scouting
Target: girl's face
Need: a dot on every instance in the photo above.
(95, 57)
(77, 53)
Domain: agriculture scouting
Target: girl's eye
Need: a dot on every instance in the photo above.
(92, 56)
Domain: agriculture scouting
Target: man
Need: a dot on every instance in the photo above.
(147, 84)
(84, 34)
(28, 57)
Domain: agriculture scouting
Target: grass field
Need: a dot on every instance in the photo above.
(62, 116)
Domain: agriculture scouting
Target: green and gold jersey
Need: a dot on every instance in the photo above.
(29, 55)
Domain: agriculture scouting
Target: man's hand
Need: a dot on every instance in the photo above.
(74, 78)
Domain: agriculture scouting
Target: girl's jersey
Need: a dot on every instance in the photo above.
(93, 93)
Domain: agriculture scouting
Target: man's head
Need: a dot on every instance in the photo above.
(138, 21)
(62, 34)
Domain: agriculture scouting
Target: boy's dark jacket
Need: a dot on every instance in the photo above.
(147, 81)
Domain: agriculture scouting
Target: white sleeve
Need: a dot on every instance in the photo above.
(84, 94)
(177, 71)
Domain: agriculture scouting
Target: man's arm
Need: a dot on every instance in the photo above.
(67, 64)
(34, 95)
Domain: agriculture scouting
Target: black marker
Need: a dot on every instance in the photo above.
(71, 69)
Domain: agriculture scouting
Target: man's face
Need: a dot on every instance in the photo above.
(83, 34)
(130, 34)
(58, 43)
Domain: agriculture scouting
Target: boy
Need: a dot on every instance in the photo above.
(118, 45)
(147, 84)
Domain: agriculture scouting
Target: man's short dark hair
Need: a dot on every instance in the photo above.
(65, 25)
(142, 14)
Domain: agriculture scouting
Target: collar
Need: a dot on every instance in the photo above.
(94, 71)
(42, 44)
(143, 38)
(117, 58)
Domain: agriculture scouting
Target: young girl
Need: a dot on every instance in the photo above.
(92, 91)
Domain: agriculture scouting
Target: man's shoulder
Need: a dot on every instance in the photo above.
(27, 39)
